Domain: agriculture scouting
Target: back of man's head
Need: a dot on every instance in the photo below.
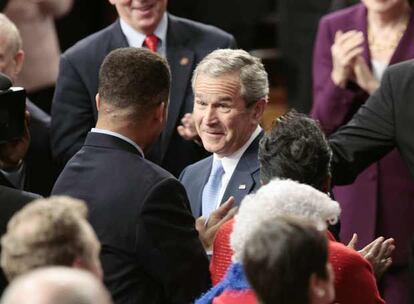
(10, 35)
(53, 285)
(134, 79)
(296, 149)
(280, 258)
(46, 232)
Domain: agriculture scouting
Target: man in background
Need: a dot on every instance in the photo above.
(141, 24)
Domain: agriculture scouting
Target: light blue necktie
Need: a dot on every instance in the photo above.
(212, 188)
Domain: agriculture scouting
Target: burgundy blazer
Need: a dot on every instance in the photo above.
(381, 200)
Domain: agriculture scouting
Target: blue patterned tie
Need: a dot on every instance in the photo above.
(212, 188)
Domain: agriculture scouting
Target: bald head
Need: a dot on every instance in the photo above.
(56, 285)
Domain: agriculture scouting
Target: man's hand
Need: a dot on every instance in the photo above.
(207, 228)
(187, 129)
(378, 253)
(12, 153)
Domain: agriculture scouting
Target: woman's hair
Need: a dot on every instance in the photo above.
(281, 198)
(280, 257)
(295, 148)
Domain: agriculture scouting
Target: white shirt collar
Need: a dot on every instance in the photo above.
(115, 134)
(230, 162)
(136, 39)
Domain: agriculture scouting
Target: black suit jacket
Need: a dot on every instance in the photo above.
(74, 112)
(11, 201)
(150, 248)
(384, 122)
(40, 172)
(245, 178)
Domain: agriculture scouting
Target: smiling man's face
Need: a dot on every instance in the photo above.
(221, 117)
(143, 15)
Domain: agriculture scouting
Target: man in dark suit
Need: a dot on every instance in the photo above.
(184, 43)
(150, 248)
(385, 121)
(230, 88)
(25, 163)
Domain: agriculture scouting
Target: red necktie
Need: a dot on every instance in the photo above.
(151, 42)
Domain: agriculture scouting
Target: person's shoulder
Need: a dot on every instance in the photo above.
(195, 168)
(198, 30)
(343, 15)
(93, 43)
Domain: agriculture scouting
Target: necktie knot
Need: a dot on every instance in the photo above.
(151, 42)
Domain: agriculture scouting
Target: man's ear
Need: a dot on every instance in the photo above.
(97, 101)
(321, 290)
(258, 109)
(160, 113)
(18, 63)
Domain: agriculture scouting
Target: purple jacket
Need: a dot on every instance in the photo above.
(381, 200)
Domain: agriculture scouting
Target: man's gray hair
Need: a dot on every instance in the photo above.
(281, 198)
(254, 84)
(9, 29)
(52, 285)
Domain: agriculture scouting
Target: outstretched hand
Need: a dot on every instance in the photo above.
(207, 228)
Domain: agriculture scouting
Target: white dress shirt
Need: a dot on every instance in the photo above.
(230, 163)
(107, 132)
(136, 39)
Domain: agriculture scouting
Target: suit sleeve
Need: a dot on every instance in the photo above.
(368, 136)
(72, 113)
(178, 260)
(331, 104)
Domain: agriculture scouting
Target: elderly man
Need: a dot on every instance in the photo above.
(53, 285)
(142, 23)
(51, 231)
(151, 252)
(25, 163)
(230, 88)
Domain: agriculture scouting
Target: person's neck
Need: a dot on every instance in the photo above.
(391, 18)
(128, 130)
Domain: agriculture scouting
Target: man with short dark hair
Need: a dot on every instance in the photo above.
(151, 252)
(141, 23)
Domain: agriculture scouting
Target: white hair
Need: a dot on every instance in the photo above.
(56, 284)
(281, 198)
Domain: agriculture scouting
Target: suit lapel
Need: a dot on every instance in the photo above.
(242, 181)
(405, 48)
(118, 39)
(181, 60)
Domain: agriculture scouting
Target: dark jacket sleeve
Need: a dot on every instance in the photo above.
(72, 113)
(178, 259)
(368, 136)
